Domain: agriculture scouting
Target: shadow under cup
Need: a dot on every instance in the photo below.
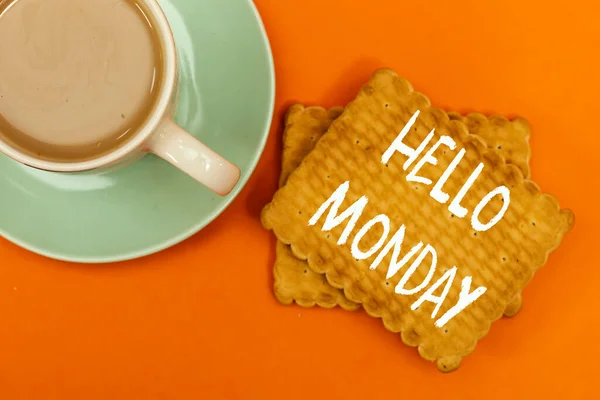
(84, 84)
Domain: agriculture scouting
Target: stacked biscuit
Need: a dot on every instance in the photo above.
(356, 196)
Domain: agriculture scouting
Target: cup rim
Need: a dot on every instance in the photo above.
(157, 114)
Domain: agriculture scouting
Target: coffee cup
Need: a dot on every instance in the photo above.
(50, 119)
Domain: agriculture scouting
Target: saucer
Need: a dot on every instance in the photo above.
(226, 99)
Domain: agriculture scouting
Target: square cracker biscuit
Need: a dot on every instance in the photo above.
(294, 281)
(502, 259)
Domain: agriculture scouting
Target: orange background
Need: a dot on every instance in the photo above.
(200, 321)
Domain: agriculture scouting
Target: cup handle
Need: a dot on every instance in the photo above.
(174, 145)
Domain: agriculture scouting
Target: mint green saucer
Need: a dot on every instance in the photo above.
(226, 99)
